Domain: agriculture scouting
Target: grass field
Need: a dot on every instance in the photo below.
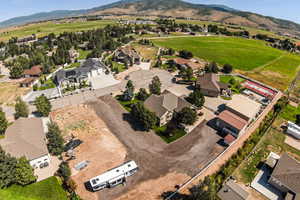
(49, 189)
(243, 54)
(252, 58)
(45, 28)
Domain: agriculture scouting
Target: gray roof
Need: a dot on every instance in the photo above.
(232, 191)
(167, 101)
(287, 171)
(210, 81)
(82, 71)
(26, 137)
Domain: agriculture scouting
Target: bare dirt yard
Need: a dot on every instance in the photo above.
(161, 166)
(100, 147)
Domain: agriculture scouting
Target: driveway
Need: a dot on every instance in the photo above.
(215, 103)
(48, 171)
(154, 157)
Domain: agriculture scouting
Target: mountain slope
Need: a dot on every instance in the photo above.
(173, 8)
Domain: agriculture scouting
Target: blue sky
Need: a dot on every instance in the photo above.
(286, 9)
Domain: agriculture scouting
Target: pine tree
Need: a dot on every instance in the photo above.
(55, 141)
(24, 173)
(155, 86)
(3, 122)
(21, 109)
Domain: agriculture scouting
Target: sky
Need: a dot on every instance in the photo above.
(285, 9)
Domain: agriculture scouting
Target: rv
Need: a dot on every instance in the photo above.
(114, 176)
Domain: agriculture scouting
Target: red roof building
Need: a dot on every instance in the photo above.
(34, 71)
(260, 89)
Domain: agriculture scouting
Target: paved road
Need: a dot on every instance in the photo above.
(141, 79)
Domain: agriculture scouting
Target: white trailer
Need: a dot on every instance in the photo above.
(293, 129)
(114, 176)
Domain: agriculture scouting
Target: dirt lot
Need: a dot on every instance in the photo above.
(160, 164)
(9, 92)
(100, 146)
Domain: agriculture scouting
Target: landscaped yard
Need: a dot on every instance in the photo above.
(83, 54)
(233, 81)
(273, 141)
(49, 189)
(118, 66)
(127, 104)
(47, 85)
(168, 139)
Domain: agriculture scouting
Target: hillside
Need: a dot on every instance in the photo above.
(174, 8)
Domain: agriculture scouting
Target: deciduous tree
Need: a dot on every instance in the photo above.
(55, 141)
(3, 122)
(155, 86)
(43, 105)
(196, 98)
(148, 119)
(24, 173)
(21, 109)
(186, 116)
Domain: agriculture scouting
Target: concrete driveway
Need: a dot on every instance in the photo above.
(214, 104)
(49, 171)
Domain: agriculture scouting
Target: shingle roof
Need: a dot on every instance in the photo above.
(25, 137)
(167, 101)
(209, 81)
(287, 171)
(33, 71)
(232, 191)
(232, 119)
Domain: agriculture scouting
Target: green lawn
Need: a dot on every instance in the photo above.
(83, 54)
(49, 189)
(47, 85)
(120, 67)
(290, 113)
(73, 65)
(45, 28)
(168, 139)
(227, 78)
(243, 54)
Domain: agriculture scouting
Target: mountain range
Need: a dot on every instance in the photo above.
(173, 8)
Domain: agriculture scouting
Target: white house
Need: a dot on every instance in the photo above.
(114, 176)
(26, 137)
(293, 129)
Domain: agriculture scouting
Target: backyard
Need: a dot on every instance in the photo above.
(272, 141)
(9, 92)
(49, 189)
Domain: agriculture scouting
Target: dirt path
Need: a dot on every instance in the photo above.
(155, 158)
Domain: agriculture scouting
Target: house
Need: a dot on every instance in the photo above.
(230, 123)
(293, 129)
(232, 191)
(35, 71)
(185, 63)
(243, 107)
(286, 177)
(114, 177)
(165, 105)
(127, 55)
(26, 39)
(90, 68)
(27, 82)
(26, 137)
(210, 85)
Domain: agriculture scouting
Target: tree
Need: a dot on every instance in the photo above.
(187, 73)
(64, 171)
(196, 98)
(24, 173)
(55, 141)
(298, 120)
(144, 116)
(186, 116)
(142, 94)
(7, 169)
(212, 68)
(129, 92)
(227, 68)
(21, 109)
(16, 71)
(43, 105)
(3, 122)
(185, 54)
(155, 86)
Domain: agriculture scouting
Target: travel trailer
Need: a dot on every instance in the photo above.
(114, 176)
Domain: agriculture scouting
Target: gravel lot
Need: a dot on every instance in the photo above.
(154, 157)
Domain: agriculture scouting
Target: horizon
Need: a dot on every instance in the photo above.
(263, 7)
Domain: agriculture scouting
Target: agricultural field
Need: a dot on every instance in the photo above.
(45, 28)
(252, 58)
(50, 189)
